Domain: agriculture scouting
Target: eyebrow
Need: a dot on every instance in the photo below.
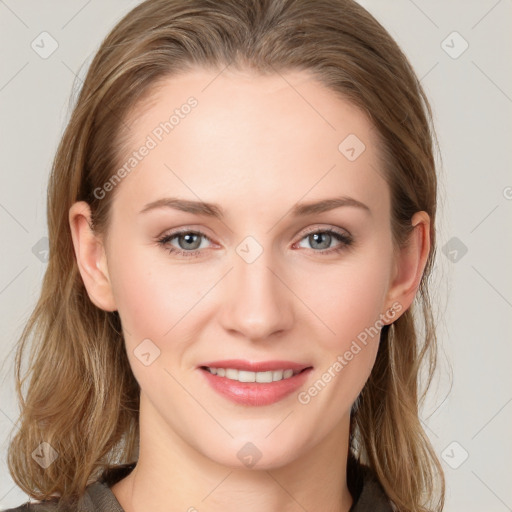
(215, 211)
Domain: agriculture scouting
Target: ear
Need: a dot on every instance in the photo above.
(410, 264)
(91, 257)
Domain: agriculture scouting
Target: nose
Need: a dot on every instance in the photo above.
(257, 303)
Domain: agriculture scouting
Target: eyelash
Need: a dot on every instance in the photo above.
(346, 242)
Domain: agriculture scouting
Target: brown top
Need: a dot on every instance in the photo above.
(366, 492)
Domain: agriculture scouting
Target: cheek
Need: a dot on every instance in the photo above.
(152, 294)
(348, 349)
(347, 298)
(161, 300)
(350, 307)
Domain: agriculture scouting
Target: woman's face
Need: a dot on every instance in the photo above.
(249, 280)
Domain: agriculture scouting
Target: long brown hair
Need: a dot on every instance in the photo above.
(82, 398)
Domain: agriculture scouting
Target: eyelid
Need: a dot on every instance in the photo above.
(327, 227)
(184, 229)
(200, 231)
(181, 231)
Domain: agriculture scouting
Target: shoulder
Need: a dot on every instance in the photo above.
(367, 492)
(38, 506)
(97, 498)
(93, 500)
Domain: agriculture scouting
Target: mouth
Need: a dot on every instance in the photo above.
(252, 376)
(254, 371)
(255, 383)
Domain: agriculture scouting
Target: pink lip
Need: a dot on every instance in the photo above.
(262, 366)
(256, 393)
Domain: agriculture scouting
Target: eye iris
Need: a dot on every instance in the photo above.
(188, 237)
(320, 236)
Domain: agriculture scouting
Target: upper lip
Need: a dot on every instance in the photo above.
(256, 366)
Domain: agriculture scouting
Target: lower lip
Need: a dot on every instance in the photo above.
(255, 393)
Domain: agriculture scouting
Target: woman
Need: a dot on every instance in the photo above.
(194, 348)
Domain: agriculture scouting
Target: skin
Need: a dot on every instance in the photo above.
(256, 147)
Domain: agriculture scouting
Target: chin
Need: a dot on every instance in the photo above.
(254, 455)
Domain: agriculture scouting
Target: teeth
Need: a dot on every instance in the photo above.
(246, 376)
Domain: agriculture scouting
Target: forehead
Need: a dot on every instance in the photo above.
(248, 138)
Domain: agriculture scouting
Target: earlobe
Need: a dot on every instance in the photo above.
(91, 257)
(410, 264)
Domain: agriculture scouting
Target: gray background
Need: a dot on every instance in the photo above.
(468, 414)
